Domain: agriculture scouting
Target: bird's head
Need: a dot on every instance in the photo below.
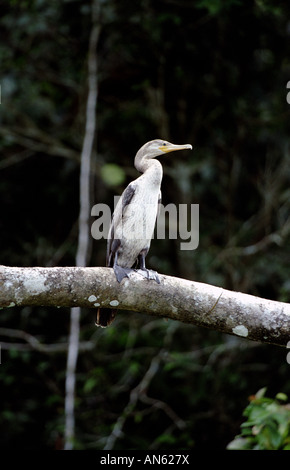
(159, 147)
(153, 149)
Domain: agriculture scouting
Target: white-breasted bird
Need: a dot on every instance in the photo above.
(134, 218)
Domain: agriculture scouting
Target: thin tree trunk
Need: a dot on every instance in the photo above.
(83, 235)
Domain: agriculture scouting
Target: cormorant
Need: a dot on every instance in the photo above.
(134, 219)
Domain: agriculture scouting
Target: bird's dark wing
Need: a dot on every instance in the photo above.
(127, 196)
(114, 243)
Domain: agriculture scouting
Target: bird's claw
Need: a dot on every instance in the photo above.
(149, 274)
(120, 272)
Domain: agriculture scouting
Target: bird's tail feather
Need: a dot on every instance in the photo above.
(105, 317)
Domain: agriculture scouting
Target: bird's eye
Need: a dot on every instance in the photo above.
(164, 144)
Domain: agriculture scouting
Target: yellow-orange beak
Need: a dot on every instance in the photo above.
(172, 147)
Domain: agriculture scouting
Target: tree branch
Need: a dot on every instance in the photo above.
(179, 299)
(31, 342)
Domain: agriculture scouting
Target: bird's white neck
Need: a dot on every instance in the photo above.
(152, 169)
(145, 164)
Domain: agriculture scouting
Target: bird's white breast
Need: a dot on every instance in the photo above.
(136, 227)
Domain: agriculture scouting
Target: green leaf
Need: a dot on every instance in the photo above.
(240, 443)
(261, 393)
(281, 396)
(112, 174)
(90, 384)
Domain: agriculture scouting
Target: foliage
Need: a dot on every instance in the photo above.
(211, 73)
(267, 426)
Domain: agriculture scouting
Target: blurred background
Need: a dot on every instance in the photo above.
(211, 73)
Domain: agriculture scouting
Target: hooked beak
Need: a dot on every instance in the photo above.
(172, 147)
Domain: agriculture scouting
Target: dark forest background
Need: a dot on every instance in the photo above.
(211, 73)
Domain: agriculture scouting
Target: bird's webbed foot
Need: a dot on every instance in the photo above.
(120, 272)
(149, 274)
